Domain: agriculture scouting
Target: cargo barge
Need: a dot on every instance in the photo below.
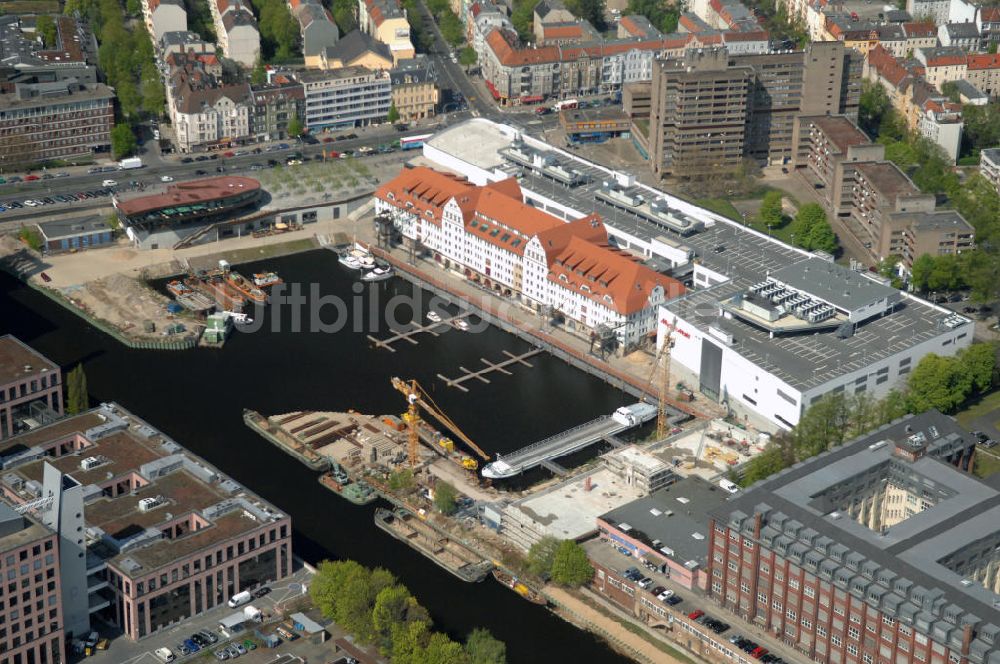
(188, 297)
(439, 546)
(274, 435)
(521, 588)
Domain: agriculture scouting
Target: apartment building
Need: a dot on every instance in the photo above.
(961, 35)
(942, 64)
(346, 97)
(936, 11)
(415, 92)
(32, 611)
(273, 107)
(30, 387)
(699, 107)
(149, 534)
(211, 116)
(879, 204)
(989, 166)
(850, 558)
(184, 42)
(57, 120)
(983, 71)
(385, 20)
(237, 31)
(356, 49)
(919, 35)
(491, 235)
(163, 16)
(317, 27)
(711, 109)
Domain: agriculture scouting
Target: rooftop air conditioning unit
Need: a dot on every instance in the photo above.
(147, 504)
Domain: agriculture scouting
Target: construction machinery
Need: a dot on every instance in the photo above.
(661, 371)
(417, 399)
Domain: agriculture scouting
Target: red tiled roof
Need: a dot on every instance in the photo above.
(602, 273)
(186, 193)
(425, 189)
(946, 60)
(562, 31)
(755, 35)
(887, 66)
(920, 29)
(633, 29)
(990, 14)
(984, 61)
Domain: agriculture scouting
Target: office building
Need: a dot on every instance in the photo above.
(149, 534)
(882, 549)
(710, 110)
(30, 387)
(346, 97)
(31, 613)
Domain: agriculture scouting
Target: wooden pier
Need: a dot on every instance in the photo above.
(490, 367)
(409, 334)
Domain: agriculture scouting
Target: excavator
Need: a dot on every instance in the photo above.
(418, 400)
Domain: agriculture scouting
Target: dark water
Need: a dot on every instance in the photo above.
(198, 397)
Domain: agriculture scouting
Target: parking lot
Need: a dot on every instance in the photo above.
(730, 630)
(271, 605)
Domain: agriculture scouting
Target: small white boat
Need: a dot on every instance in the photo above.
(461, 324)
(349, 261)
(239, 318)
(366, 261)
(378, 274)
(433, 317)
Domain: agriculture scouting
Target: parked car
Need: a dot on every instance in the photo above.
(249, 644)
(222, 654)
(645, 582)
(109, 183)
(166, 178)
(31, 178)
(164, 654)
(665, 595)
(260, 592)
(694, 615)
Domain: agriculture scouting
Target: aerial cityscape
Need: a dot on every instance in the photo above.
(500, 331)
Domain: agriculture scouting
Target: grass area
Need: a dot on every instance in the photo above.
(641, 632)
(30, 7)
(986, 464)
(720, 206)
(249, 254)
(985, 406)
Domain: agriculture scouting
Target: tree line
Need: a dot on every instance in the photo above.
(449, 24)
(809, 230)
(937, 382)
(932, 172)
(562, 561)
(279, 31)
(372, 605)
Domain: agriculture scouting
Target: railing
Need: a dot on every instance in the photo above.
(565, 434)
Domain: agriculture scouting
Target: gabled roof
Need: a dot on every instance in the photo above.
(914, 29)
(961, 30)
(984, 61)
(425, 190)
(609, 276)
(355, 44)
(887, 66)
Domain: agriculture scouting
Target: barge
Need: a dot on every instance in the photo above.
(439, 546)
(521, 588)
(274, 435)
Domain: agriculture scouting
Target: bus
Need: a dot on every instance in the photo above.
(413, 142)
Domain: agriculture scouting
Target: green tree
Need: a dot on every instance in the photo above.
(451, 28)
(77, 400)
(346, 592)
(523, 18)
(402, 480)
(663, 15)
(112, 221)
(343, 14)
(541, 554)
(920, 272)
(259, 74)
(482, 648)
(123, 141)
(765, 464)
(467, 56)
(153, 97)
(589, 10)
(950, 90)
(822, 238)
(394, 605)
(946, 274)
(442, 650)
(294, 127)
(409, 641)
(937, 382)
(770, 209)
(31, 237)
(393, 114)
(978, 362)
(445, 498)
(570, 565)
(808, 216)
(46, 28)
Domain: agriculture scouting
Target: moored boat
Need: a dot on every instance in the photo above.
(178, 287)
(461, 324)
(266, 279)
(521, 588)
(377, 274)
(240, 283)
(433, 543)
(433, 316)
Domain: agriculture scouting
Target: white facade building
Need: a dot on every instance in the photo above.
(490, 235)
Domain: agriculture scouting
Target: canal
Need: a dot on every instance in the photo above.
(198, 396)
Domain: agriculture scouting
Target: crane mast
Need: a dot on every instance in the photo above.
(417, 399)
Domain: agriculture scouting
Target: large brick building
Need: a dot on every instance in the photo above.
(882, 550)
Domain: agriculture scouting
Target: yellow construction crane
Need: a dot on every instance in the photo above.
(661, 370)
(417, 399)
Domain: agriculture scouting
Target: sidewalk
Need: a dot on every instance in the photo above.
(608, 628)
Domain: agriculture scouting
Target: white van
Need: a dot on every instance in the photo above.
(239, 599)
(164, 654)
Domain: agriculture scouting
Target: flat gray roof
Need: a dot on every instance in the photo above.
(57, 229)
(675, 516)
(726, 247)
(842, 287)
(904, 561)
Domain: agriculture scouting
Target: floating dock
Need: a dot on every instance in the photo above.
(434, 543)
